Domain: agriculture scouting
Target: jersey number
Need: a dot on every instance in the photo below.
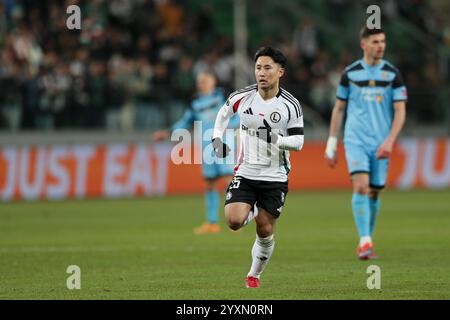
(235, 183)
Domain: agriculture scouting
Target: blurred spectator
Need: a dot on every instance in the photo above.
(172, 18)
(10, 88)
(115, 98)
(306, 41)
(54, 82)
(133, 63)
(96, 89)
(184, 79)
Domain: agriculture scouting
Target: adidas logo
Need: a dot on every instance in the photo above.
(248, 111)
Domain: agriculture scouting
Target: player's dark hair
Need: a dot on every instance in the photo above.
(366, 32)
(276, 55)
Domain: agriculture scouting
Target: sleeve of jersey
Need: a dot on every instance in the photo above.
(295, 138)
(234, 121)
(185, 122)
(223, 117)
(342, 89)
(399, 89)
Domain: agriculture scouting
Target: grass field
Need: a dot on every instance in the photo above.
(145, 249)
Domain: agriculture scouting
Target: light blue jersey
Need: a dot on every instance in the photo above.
(204, 108)
(370, 92)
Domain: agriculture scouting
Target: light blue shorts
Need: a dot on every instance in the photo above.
(214, 167)
(361, 159)
(215, 170)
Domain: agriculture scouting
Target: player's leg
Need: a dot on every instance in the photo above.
(270, 202)
(361, 214)
(361, 205)
(262, 247)
(374, 199)
(236, 213)
(212, 200)
(240, 199)
(226, 173)
(378, 176)
(358, 165)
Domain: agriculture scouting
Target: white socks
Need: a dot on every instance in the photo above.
(261, 253)
(364, 240)
(251, 215)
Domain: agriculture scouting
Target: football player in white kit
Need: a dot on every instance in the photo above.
(271, 125)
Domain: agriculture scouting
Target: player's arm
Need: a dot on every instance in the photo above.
(385, 150)
(184, 123)
(220, 125)
(400, 96)
(295, 133)
(337, 117)
(295, 138)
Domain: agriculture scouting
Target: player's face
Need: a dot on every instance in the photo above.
(205, 83)
(374, 46)
(267, 72)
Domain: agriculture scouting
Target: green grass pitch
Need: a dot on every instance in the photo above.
(145, 249)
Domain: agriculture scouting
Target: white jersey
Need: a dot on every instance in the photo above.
(257, 159)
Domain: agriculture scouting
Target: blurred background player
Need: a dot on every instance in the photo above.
(204, 108)
(374, 94)
(271, 124)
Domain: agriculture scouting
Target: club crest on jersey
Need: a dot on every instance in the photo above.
(275, 117)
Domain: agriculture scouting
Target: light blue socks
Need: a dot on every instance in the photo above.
(374, 210)
(212, 206)
(361, 214)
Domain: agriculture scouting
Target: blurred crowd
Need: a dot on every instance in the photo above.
(132, 66)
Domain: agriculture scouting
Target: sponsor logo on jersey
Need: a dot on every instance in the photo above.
(384, 75)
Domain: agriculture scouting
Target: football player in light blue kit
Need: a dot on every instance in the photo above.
(373, 97)
(204, 108)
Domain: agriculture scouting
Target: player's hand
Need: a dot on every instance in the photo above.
(331, 157)
(220, 149)
(265, 133)
(160, 135)
(385, 150)
(332, 162)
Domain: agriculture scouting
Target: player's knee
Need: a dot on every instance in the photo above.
(210, 185)
(361, 188)
(234, 223)
(374, 194)
(264, 230)
(265, 233)
(234, 227)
